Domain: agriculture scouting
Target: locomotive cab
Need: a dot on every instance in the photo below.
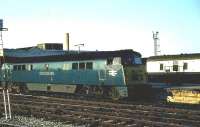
(135, 73)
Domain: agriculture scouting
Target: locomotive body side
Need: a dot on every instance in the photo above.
(97, 72)
(94, 72)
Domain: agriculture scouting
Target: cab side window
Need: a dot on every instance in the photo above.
(74, 66)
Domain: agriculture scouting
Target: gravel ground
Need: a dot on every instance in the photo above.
(33, 122)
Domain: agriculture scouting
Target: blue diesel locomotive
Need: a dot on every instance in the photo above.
(108, 73)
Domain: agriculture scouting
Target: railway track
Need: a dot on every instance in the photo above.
(10, 125)
(95, 113)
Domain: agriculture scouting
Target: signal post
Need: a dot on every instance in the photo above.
(6, 97)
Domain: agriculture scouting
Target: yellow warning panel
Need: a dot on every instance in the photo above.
(184, 96)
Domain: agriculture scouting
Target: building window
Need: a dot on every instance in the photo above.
(75, 66)
(185, 66)
(161, 66)
(175, 67)
(81, 65)
(167, 69)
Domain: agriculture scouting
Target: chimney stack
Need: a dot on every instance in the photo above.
(66, 42)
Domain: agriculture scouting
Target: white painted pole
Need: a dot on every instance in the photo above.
(9, 109)
(5, 107)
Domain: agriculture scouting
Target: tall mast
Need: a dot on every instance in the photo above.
(156, 43)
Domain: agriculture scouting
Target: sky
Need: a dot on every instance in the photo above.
(104, 24)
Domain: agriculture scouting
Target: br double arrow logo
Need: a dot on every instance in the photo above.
(112, 72)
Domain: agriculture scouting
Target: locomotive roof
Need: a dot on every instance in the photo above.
(31, 52)
(175, 57)
(70, 56)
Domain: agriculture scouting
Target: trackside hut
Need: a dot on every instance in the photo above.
(173, 69)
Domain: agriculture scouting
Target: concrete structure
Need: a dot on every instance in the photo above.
(66, 43)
